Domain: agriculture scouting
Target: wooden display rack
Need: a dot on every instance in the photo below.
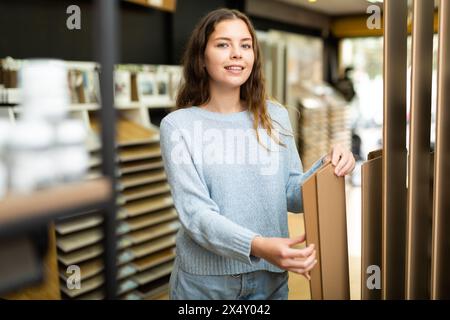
(146, 219)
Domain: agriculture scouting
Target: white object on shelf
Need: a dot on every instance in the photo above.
(71, 155)
(45, 92)
(30, 156)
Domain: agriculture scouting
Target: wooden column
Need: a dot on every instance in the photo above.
(394, 150)
(440, 280)
(418, 231)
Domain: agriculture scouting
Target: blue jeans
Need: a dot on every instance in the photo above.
(257, 285)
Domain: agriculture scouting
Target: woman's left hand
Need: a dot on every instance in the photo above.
(342, 159)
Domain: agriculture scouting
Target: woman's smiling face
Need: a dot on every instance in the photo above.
(229, 54)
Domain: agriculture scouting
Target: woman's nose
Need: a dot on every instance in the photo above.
(236, 52)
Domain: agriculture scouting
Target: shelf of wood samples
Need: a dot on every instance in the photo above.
(324, 122)
(147, 220)
(312, 133)
(339, 125)
(146, 226)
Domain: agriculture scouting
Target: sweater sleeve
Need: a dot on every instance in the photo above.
(296, 175)
(198, 213)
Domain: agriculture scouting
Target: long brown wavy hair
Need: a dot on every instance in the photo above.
(194, 90)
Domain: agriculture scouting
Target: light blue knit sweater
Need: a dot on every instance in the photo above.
(227, 188)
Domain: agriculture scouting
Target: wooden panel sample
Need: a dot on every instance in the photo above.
(140, 165)
(371, 189)
(154, 259)
(78, 224)
(139, 178)
(150, 219)
(153, 246)
(87, 269)
(79, 240)
(146, 190)
(147, 205)
(87, 285)
(153, 232)
(326, 227)
(154, 273)
(81, 255)
(129, 132)
(139, 152)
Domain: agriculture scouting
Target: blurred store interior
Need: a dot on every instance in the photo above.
(323, 60)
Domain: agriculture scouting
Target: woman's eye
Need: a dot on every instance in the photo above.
(247, 46)
(222, 45)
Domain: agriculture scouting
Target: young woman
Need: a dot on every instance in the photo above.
(234, 171)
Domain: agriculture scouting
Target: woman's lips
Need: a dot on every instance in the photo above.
(234, 69)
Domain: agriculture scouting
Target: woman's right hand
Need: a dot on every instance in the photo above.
(279, 252)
